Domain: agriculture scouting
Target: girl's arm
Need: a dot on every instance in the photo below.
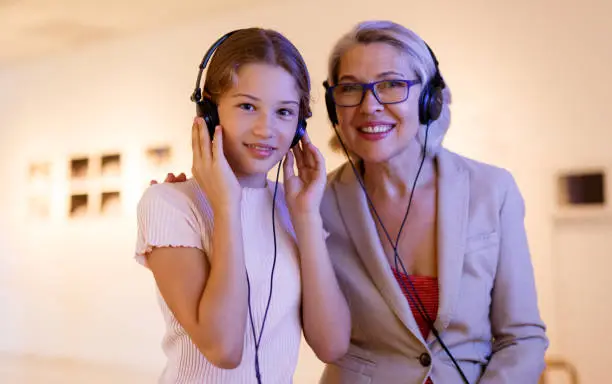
(325, 313)
(208, 300)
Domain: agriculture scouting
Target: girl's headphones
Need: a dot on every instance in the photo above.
(430, 101)
(207, 109)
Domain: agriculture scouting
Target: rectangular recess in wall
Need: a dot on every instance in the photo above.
(79, 167)
(110, 204)
(111, 164)
(78, 205)
(587, 188)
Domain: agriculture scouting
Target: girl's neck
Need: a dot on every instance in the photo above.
(253, 181)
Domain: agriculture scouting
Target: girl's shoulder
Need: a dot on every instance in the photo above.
(186, 197)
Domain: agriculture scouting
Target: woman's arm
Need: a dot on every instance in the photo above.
(519, 333)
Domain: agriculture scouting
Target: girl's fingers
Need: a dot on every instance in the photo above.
(299, 155)
(195, 142)
(217, 143)
(205, 142)
(288, 170)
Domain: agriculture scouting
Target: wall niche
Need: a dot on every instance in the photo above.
(582, 188)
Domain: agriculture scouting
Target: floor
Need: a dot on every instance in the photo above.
(29, 370)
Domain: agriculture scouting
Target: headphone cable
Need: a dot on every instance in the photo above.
(418, 304)
(257, 340)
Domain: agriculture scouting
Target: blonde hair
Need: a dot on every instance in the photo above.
(405, 41)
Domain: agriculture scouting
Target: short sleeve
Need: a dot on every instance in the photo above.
(166, 218)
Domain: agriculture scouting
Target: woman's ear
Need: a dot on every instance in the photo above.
(437, 129)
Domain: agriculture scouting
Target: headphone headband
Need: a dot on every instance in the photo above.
(437, 77)
(207, 109)
(197, 92)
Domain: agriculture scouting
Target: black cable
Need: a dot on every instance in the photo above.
(418, 304)
(256, 339)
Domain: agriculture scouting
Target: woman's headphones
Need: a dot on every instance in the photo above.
(207, 109)
(431, 99)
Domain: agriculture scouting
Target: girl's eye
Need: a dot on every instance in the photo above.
(246, 107)
(286, 112)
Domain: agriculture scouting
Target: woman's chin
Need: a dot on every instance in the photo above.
(375, 155)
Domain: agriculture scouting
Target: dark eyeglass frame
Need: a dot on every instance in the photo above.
(371, 87)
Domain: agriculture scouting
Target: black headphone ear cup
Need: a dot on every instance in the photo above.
(423, 104)
(299, 132)
(331, 108)
(430, 104)
(207, 110)
(436, 101)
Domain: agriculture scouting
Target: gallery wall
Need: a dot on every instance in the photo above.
(529, 94)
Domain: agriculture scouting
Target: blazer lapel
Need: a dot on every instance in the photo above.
(453, 205)
(362, 230)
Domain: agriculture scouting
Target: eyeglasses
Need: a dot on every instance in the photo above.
(385, 91)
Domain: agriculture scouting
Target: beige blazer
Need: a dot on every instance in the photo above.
(488, 314)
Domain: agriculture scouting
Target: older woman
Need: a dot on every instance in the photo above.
(446, 293)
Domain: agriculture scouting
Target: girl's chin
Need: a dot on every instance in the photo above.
(254, 167)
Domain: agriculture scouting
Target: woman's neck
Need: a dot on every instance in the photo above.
(395, 178)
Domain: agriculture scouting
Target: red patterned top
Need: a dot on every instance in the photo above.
(427, 291)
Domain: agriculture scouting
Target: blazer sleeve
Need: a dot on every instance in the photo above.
(519, 334)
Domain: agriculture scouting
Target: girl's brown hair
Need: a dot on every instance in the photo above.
(257, 45)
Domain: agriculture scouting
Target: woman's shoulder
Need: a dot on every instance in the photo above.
(479, 170)
(337, 174)
(484, 178)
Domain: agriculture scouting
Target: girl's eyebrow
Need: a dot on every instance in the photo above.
(257, 99)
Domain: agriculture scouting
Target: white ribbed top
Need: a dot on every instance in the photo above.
(179, 215)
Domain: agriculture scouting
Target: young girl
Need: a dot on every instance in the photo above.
(240, 268)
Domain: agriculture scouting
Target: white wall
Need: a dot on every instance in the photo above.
(529, 94)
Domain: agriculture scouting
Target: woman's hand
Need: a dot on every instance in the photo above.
(211, 169)
(304, 191)
(171, 178)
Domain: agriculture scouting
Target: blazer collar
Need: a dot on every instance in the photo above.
(453, 210)
(453, 198)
